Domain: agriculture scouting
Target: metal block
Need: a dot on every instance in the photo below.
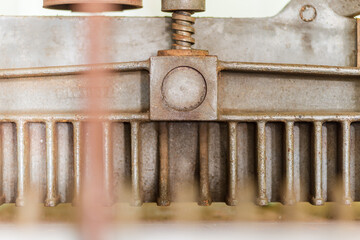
(183, 88)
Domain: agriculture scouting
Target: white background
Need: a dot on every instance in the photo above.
(215, 8)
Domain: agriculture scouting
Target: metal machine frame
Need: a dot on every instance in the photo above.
(213, 121)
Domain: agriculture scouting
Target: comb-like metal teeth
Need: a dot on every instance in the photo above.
(78, 156)
(318, 198)
(164, 193)
(52, 197)
(233, 165)
(289, 164)
(22, 161)
(288, 187)
(261, 164)
(345, 158)
(205, 196)
(135, 165)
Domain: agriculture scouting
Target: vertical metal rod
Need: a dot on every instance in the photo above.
(289, 147)
(318, 199)
(261, 164)
(2, 196)
(205, 196)
(135, 164)
(233, 173)
(358, 42)
(108, 164)
(345, 153)
(23, 161)
(164, 194)
(77, 132)
(52, 197)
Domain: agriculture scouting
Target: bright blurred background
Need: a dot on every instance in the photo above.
(215, 8)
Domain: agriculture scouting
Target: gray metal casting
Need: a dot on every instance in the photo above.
(286, 122)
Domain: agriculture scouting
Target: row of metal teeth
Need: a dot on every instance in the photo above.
(52, 196)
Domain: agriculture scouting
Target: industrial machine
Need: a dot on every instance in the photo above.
(270, 103)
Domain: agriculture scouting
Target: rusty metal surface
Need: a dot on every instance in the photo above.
(296, 91)
(269, 150)
(347, 8)
(329, 40)
(173, 95)
(183, 30)
(358, 42)
(291, 130)
(183, 21)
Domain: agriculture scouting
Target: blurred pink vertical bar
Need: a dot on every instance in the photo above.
(2, 196)
(92, 199)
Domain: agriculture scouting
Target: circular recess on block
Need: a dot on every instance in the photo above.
(308, 13)
(92, 5)
(184, 89)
